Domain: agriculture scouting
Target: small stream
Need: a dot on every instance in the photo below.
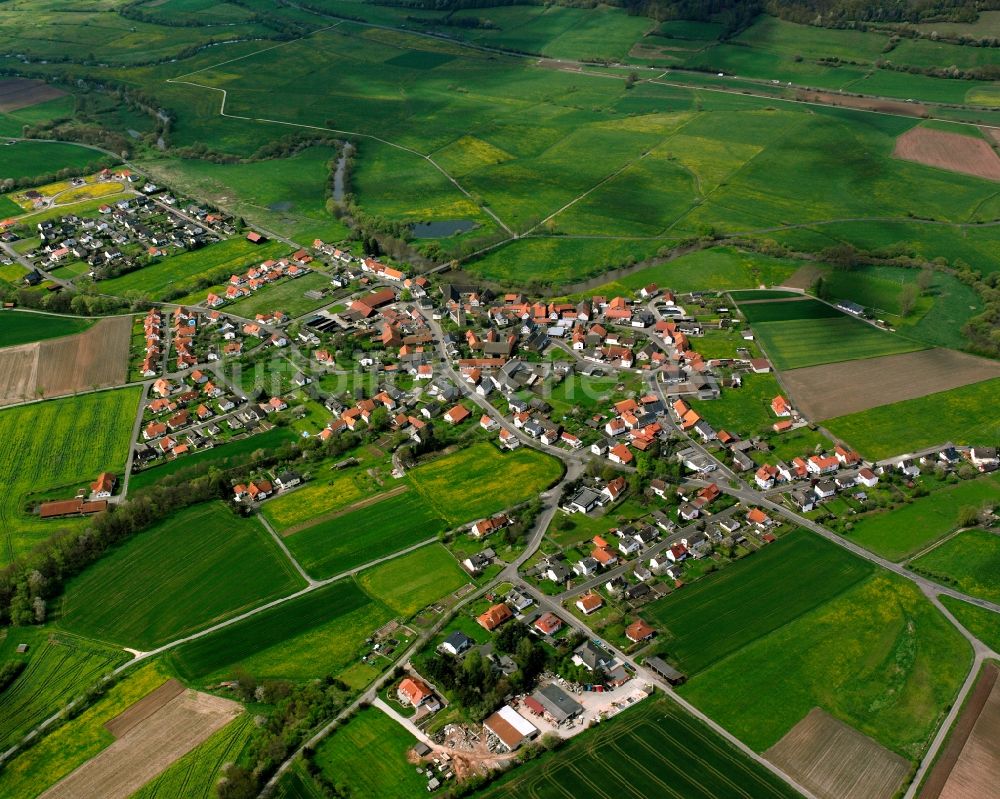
(338, 175)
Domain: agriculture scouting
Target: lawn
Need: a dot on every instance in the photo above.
(461, 487)
(652, 749)
(186, 573)
(365, 534)
(186, 272)
(969, 562)
(411, 582)
(799, 442)
(28, 159)
(312, 636)
(748, 599)
(59, 668)
(745, 410)
(965, 415)
(196, 774)
(901, 532)
(367, 756)
(21, 327)
(84, 436)
(878, 656)
(79, 739)
(223, 456)
(809, 342)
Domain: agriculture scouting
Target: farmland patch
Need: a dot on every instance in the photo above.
(969, 562)
(17, 93)
(836, 389)
(951, 151)
(411, 582)
(787, 309)
(148, 747)
(835, 761)
(23, 327)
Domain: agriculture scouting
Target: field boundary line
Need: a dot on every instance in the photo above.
(334, 514)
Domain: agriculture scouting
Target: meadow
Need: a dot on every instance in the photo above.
(286, 195)
(180, 274)
(60, 667)
(878, 656)
(969, 562)
(28, 158)
(652, 749)
(411, 582)
(21, 327)
(185, 573)
(906, 530)
(79, 739)
(460, 489)
(745, 410)
(195, 775)
(365, 534)
(982, 623)
(748, 599)
(965, 415)
(367, 755)
(84, 436)
(222, 456)
(787, 310)
(320, 496)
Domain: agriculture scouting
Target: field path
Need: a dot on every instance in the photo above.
(288, 554)
(361, 503)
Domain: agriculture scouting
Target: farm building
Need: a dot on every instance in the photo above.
(70, 507)
(510, 727)
(557, 703)
(665, 670)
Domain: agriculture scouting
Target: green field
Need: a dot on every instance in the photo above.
(79, 739)
(969, 562)
(653, 749)
(287, 195)
(906, 530)
(223, 456)
(745, 410)
(29, 158)
(878, 656)
(288, 296)
(749, 599)
(21, 327)
(311, 636)
(195, 775)
(787, 311)
(181, 274)
(316, 497)
(965, 415)
(982, 623)
(186, 573)
(810, 342)
(411, 582)
(60, 667)
(363, 535)
(83, 436)
(461, 486)
(367, 755)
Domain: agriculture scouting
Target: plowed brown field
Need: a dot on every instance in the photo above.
(835, 389)
(149, 746)
(18, 93)
(835, 761)
(951, 151)
(96, 358)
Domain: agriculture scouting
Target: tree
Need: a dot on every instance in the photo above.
(38, 608)
(907, 299)
(631, 80)
(924, 279)
(968, 516)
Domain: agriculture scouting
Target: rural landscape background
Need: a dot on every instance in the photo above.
(582, 399)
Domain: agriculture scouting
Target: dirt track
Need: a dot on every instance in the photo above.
(96, 358)
(835, 389)
(952, 151)
(361, 503)
(835, 761)
(149, 747)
